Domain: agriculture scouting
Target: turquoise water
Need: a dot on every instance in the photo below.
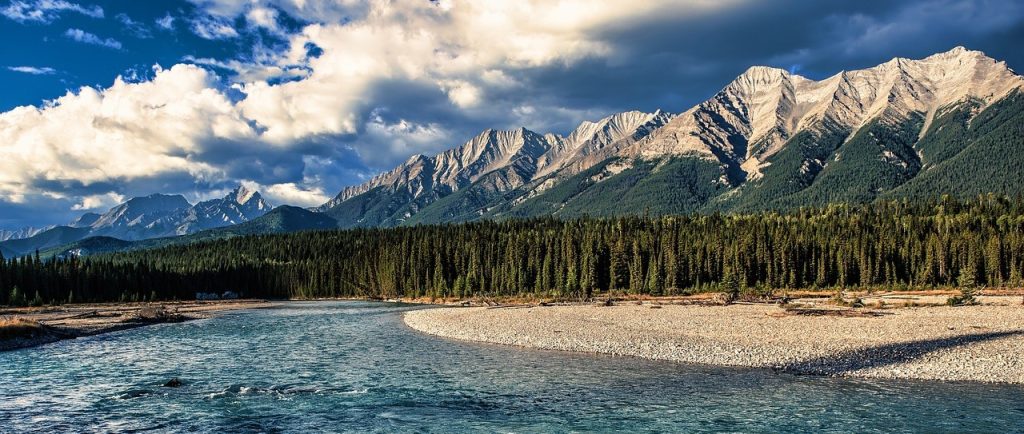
(354, 367)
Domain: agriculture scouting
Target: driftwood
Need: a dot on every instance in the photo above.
(810, 311)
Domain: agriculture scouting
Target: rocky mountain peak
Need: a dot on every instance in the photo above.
(739, 129)
(241, 195)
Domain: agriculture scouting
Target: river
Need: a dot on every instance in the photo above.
(355, 367)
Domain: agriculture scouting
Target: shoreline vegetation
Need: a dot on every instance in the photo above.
(34, 326)
(894, 245)
(891, 335)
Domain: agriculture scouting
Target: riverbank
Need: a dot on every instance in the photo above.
(29, 327)
(970, 343)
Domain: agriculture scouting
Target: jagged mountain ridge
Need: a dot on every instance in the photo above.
(25, 232)
(160, 215)
(496, 161)
(761, 142)
(148, 217)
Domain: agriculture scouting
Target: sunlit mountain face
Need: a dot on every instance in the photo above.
(410, 111)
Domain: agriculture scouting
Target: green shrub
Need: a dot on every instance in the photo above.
(966, 298)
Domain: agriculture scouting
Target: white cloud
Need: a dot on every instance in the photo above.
(213, 28)
(46, 11)
(166, 22)
(402, 138)
(293, 194)
(264, 17)
(250, 72)
(34, 70)
(126, 132)
(89, 38)
(462, 48)
(98, 202)
(309, 11)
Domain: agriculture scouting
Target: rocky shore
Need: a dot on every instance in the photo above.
(29, 327)
(972, 343)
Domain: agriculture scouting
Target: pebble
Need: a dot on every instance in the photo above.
(921, 343)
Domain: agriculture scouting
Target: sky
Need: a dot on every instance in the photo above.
(103, 101)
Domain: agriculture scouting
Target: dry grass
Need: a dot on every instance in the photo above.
(13, 328)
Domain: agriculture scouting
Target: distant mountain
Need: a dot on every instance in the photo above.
(21, 233)
(768, 140)
(57, 236)
(141, 217)
(153, 216)
(85, 220)
(280, 220)
(241, 206)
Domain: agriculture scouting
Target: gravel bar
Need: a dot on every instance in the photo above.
(975, 343)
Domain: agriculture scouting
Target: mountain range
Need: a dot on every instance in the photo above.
(24, 232)
(769, 140)
(141, 218)
(951, 123)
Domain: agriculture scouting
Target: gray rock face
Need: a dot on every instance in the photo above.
(742, 129)
(237, 207)
(498, 161)
(25, 232)
(161, 215)
(140, 217)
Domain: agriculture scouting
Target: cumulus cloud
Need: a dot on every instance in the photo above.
(348, 88)
(98, 202)
(46, 11)
(383, 139)
(34, 70)
(451, 47)
(123, 133)
(89, 38)
(294, 194)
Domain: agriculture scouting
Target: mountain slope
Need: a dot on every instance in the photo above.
(140, 217)
(239, 206)
(279, 220)
(968, 158)
(768, 140)
(461, 183)
(57, 236)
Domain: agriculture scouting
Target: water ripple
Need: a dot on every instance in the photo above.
(354, 367)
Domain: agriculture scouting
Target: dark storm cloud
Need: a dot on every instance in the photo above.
(673, 63)
(675, 60)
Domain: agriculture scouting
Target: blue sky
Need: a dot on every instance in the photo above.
(301, 98)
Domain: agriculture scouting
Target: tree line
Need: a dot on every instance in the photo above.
(886, 245)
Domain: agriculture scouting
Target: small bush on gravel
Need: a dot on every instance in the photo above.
(839, 300)
(730, 288)
(966, 298)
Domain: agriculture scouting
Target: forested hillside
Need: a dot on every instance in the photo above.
(770, 140)
(885, 244)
